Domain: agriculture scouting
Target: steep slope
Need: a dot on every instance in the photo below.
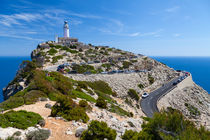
(68, 75)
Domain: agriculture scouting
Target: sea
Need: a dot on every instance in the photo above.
(199, 67)
(8, 69)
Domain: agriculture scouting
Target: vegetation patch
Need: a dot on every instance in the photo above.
(52, 51)
(99, 131)
(133, 94)
(100, 102)
(33, 96)
(56, 58)
(105, 96)
(19, 119)
(141, 86)
(118, 110)
(107, 66)
(65, 107)
(67, 49)
(126, 64)
(40, 134)
(83, 95)
(150, 79)
(12, 102)
(168, 125)
(102, 87)
(193, 110)
(83, 68)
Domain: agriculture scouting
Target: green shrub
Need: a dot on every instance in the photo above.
(150, 79)
(101, 86)
(56, 58)
(83, 95)
(83, 68)
(128, 101)
(58, 46)
(19, 119)
(67, 49)
(52, 51)
(119, 111)
(68, 109)
(107, 66)
(105, 96)
(12, 102)
(130, 135)
(169, 125)
(193, 110)
(133, 94)
(40, 134)
(100, 102)
(32, 96)
(83, 103)
(141, 86)
(98, 131)
(82, 84)
(126, 64)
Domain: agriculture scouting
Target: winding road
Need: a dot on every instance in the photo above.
(149, 104)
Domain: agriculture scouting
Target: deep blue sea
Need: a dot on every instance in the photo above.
(199, 67)
(8, 69)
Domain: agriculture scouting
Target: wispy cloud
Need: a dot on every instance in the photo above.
(8, 20)
(172, 9)
(176, 35)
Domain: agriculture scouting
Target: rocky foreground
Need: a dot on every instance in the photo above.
(124, 76)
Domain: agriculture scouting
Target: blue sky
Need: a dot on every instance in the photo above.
(150, 27)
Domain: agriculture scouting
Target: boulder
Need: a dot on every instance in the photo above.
(48, 105)
(79, 131)
(42, 123)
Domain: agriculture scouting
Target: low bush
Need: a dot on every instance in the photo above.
(33, 96)
(141, 86)
(150, 79)
(102, 87)
(133, 94)
(83, 103)
(83, 68)
(130, 135)
(82, 84)
(107, 66)
(12, 102)
(126, 64)
(56, 58)
(98, 131)
(68, 109)
(168, 125)
(40, 134)
(83, 95)
(19, 119)
(100, 102)
(193, 110)
(118, 110)
(52, 51)
(105, 96)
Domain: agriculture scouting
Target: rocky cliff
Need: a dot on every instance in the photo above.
(90, 72)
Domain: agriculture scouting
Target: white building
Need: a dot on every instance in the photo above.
(66, 40)
(66, 29)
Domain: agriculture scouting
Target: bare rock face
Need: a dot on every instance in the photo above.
(11, 90)
(192, 100)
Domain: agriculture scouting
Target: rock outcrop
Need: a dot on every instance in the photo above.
(192, 100)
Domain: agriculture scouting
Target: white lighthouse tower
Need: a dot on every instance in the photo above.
(66, 29)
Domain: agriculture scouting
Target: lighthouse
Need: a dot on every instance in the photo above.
(66, 29)
(66, 40)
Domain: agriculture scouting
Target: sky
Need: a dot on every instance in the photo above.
(149, 27)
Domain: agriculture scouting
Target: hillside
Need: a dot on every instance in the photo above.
(71, 86)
